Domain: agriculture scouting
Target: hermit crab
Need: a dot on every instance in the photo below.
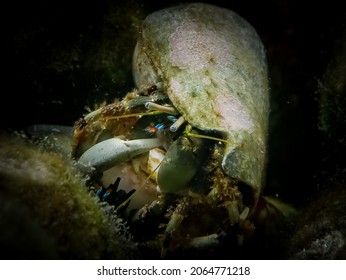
(191, 139)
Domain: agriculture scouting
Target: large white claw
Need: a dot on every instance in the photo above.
(111, 152)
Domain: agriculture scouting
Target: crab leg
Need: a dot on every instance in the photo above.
(108, 153)
(208, 241)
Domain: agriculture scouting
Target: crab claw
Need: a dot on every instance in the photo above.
(111, 152)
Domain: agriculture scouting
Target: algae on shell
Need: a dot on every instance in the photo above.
(212, 64)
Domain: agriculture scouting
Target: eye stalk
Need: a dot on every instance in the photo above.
(157, 107)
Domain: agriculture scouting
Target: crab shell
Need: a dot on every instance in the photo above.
(212, 64)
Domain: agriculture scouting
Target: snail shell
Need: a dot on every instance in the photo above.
(212, 65)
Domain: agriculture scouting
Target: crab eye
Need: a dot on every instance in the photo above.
(174, 127)
(152, 89)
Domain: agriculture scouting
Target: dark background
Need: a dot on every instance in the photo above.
(58, 57)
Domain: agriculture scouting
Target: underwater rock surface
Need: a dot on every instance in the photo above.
(321, 230)
(46, 211)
